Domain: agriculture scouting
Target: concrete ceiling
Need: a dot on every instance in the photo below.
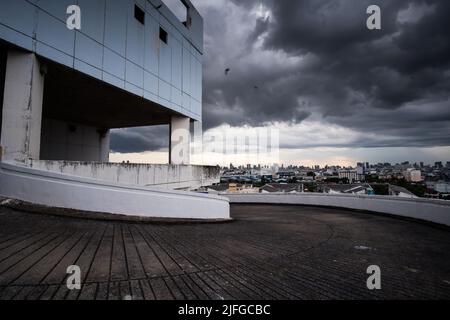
(74, 97)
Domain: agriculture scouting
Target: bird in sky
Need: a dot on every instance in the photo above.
(227, 70)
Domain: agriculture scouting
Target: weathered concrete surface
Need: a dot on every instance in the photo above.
(273, 252)
(88, 195)
(22, 107)
(180, 141)
(161, 176)
(64, 212)
(62, 140)
(436, 211)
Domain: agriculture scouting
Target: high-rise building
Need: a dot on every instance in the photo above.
(127, 64)
(413, 175)
(351, 175)
(360, 168)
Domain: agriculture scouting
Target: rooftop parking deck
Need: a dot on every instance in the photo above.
(267, 252)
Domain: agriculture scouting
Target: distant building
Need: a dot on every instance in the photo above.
(360, 168)
(349, 189)
(232, 188)
(442, 187)
(351, 175)
(267, 177)
(413, 175)
(282, 188)
(308, 178)
(286, 174)
(217, 188)
(401, 192)
(438, 165)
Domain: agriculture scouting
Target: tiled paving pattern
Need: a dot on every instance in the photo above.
(268, 252)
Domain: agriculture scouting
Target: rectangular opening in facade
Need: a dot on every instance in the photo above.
(163, 35)
(63, 140)
(139, 14)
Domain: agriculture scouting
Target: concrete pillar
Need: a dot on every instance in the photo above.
(105, 139)
(22, 107)
(180, 141)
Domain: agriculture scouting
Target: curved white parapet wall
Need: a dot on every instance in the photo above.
(147, 175)
(437, 211)
(83, 194)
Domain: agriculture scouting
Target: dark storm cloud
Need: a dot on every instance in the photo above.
(135, 140)
(327, 27)
(291, 61)
(350, 76)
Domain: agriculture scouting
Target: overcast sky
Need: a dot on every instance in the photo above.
(337, 91)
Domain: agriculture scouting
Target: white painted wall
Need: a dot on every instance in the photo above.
(63, 191)
(161, 176)
(437, 211)
(73, 142)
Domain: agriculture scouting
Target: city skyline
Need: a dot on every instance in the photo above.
(364, 164)
(361, 155)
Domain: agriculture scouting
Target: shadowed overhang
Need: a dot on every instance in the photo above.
(72, 96)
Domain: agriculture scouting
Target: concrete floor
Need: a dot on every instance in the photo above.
(268, 252)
